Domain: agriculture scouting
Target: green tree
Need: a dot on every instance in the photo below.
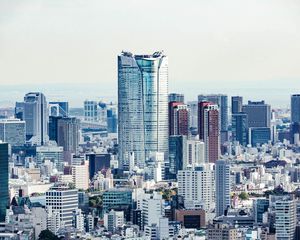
(244, 196)
(47, 235)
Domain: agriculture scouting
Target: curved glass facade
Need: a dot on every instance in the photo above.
(142, 106)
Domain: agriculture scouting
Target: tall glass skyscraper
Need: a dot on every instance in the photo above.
(4, 196)
(142, 106)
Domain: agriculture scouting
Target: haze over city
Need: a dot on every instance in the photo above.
(233, 47)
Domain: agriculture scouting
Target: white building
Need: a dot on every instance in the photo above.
(285, 218)
(63, 200)
(80, 175)
(152, 208)
(113, 220)
(197, 186)
(195, 153)
(90, 111)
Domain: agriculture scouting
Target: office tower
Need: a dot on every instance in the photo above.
(142, 106)
(178, 119)
(52, 153)
(236, 104)
(112, 120)
(35, 114)
(295, 108)
(90, 111)
(119, 200)
(13, 132)
(259, 114)
(80, 175)
(176, 97)
(259, 136)
(53, 128)
(197, 186)
(193, 115)
(223, 187)
(285, 217)
(195, 153)
(64, 201)
(177, 153)
(4, 192)
(222, 101)
(152, 208)
(98, 162)
(209, 131)
(261, 206)
(59, 109)
(68, 134)
(240, 128)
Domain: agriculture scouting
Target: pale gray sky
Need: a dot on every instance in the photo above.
(211, 44)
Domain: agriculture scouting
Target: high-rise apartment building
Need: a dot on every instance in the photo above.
(285, 218)
(259, 114)
(223, 187)
(176, 97)
(197, 186)
(13, 131)
(80, 174)
(236, 104)
(222, 102)
(35, 114)
(240, 128)
(195, 153)
(4, 192)
(193, 115)
(64, 201)
(178, 119)
(142, 106)
(209, 131)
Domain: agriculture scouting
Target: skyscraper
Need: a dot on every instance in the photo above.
(295, 116)
(35, 115)
(259, 114)
(177, 153)
(13, 132)
(222, 101)
(142, 106)
(209, 131)
(236, 104)
(223, 187)
(178, 119)
(295, 108)
(4, 196)
(176, 97)
(240, 128)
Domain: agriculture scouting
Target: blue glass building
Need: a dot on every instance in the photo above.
(4, 194)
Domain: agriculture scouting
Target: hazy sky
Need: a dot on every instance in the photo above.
(70, 47)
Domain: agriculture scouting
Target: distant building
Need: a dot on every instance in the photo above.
(191, 218)
(112, 120)
(259, 114)
(13, 131)
(176, 97)
(4, 192)
(193, 116)
(259, 136)
(295, 117)
(52, 153)
(195, 153)
(59, 109)
(240, 128)
(113, 220)
(35, 114)
(222, 231)
(90, 111)
(223, 187)
(236, 104)
(98, 162)
(80, 175)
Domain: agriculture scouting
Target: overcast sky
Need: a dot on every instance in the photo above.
(213, 45)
